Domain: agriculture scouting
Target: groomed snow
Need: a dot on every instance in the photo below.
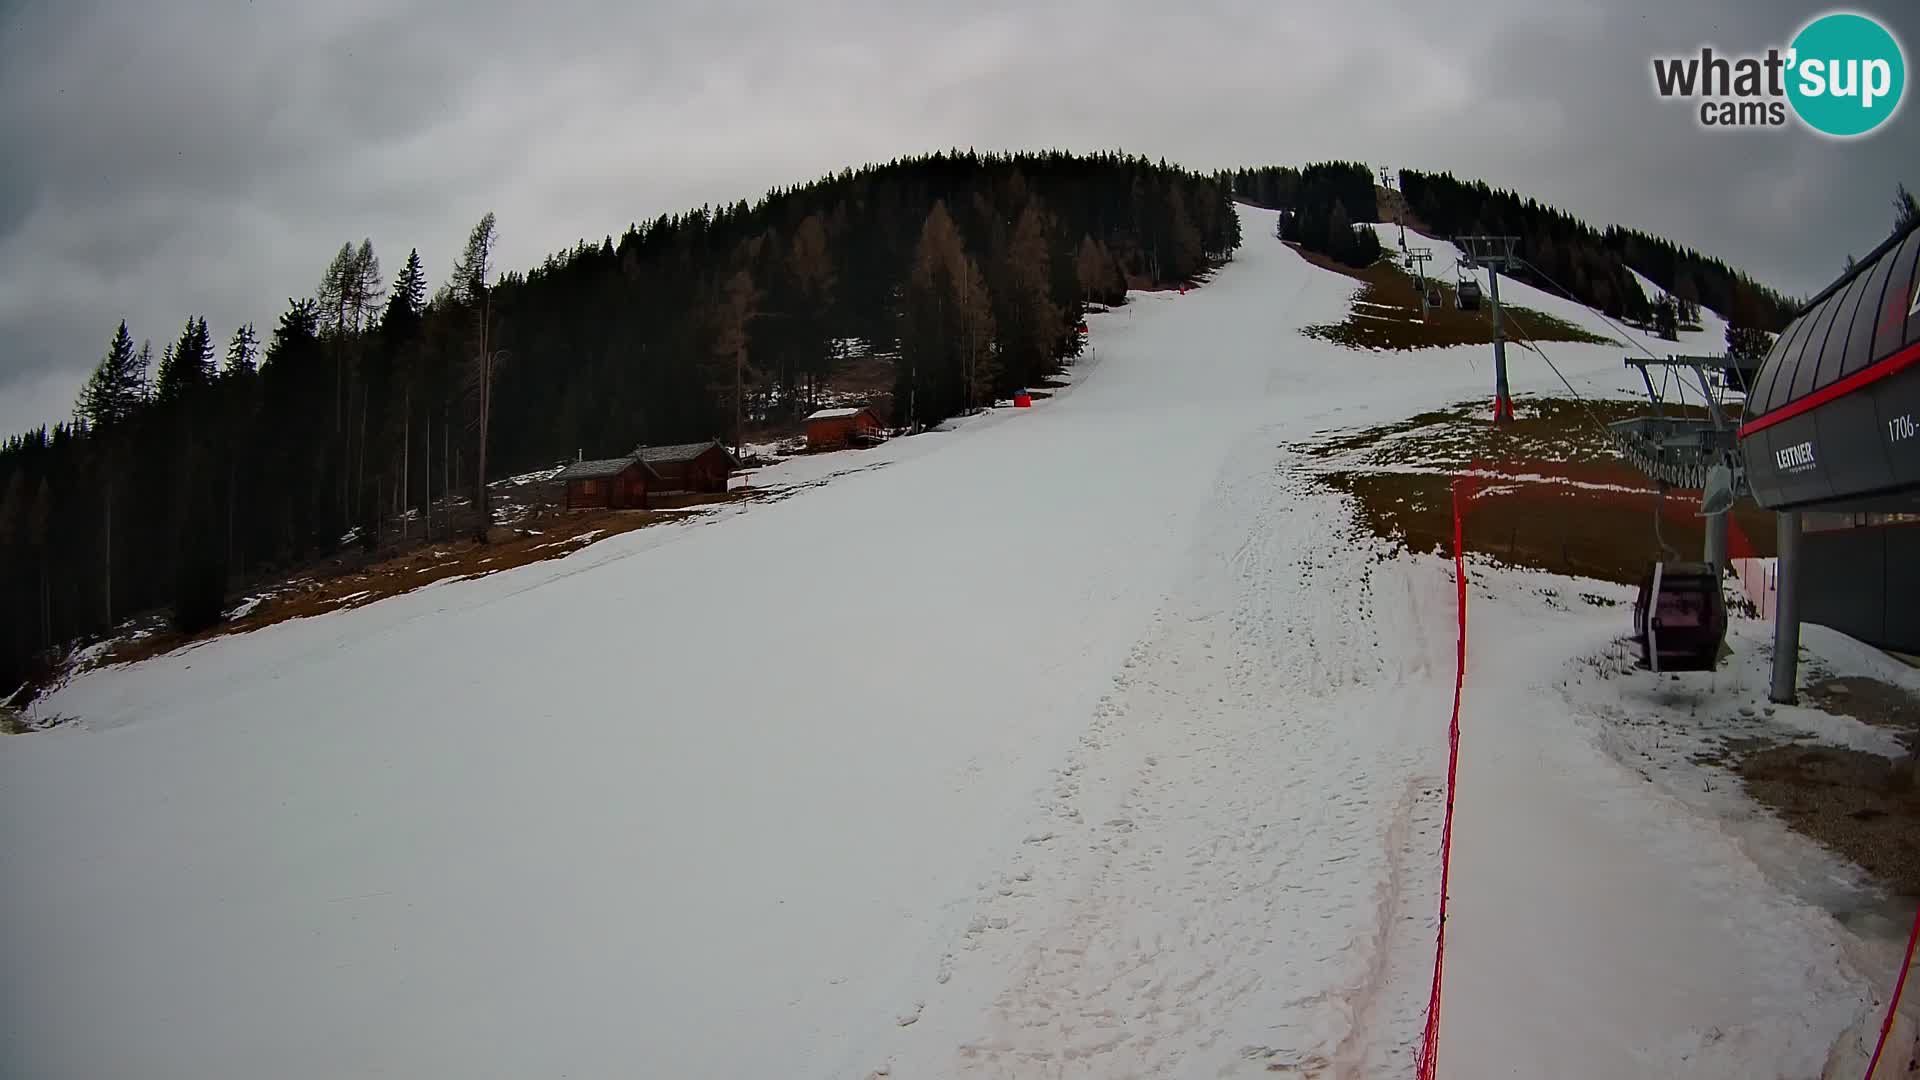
(1088, 740)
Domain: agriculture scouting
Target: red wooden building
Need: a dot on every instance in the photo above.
(831, 429)
(618, 483)
(689, 467)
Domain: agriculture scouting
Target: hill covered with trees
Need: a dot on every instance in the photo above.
(370, 400)
(1590, 263)
(1319, 204)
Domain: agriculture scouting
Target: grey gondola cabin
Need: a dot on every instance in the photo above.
(618, 483)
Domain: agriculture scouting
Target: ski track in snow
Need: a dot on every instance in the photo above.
(1253, 860)
(1084, 741)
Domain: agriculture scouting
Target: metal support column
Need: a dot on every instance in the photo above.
(1502, 398)
(1716, 552)
(1786, 615)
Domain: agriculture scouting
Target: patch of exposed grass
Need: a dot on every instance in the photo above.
(1870, 701)
(551, 536)
(1550, 491)
(1386, 315)
(1861, 805)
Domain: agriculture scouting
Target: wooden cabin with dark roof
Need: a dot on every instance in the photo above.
(701, 467)
(618, 483)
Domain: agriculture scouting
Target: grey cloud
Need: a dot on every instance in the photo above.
(162, 164)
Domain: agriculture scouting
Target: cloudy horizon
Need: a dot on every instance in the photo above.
(163, 167)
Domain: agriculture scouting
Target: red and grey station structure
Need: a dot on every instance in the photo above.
(1830, 440)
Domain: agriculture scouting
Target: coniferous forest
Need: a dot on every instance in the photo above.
(1591, 264)
(1320, 205)
(348, 416)
(370, 411)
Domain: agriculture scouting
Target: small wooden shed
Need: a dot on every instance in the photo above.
(697, 467)
(831, 429)
(618, 483)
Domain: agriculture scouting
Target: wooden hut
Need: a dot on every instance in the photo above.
(618, 483)
(701, 467)
(831, 429)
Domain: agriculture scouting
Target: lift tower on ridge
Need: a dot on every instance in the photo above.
(1496, 254)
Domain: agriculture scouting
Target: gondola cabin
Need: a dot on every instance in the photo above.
(1467, 296)
(1680, 617)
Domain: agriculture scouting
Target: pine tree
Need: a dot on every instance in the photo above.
(243, 351)
(143, 370)
(1340, 243)
(1906, 209)
(1188, 253)
(1666, 317)
(1747, 345)
(187, 365)
(115, 389)
(409, 295)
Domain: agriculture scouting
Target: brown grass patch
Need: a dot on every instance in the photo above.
(1386, 314)
(1870, 701)
(550, 536)
(1552, 494)
(1861, 805)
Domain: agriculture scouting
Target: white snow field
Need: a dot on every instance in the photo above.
(1090, 740)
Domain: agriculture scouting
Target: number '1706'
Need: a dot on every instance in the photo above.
(1900, 428)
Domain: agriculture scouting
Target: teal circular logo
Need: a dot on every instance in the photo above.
(1847, 74)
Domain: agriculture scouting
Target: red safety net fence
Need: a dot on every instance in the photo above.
(1427, 1060)
(1899, 984)
(1429, 1055)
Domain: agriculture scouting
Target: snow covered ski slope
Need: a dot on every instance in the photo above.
(1090, 740)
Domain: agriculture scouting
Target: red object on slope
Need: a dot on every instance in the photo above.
(1429, 1056)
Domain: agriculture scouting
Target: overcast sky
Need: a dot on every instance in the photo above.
(206, 158)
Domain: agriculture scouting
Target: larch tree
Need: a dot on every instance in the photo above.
(810, 265)
(738, 303)
(468, 288)
(1029, 322)
(946, 360)
(1095, 272)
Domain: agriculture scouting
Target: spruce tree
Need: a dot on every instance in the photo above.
(115, 389)
(243, 350)
(1340, 242)
(187, 365)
